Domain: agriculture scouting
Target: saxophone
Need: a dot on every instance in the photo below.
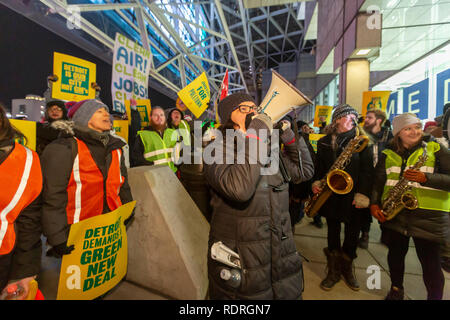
(337, 180)
(400, 196)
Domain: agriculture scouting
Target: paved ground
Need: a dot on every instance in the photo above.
(310, 241)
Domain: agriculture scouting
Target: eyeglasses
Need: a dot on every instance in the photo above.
(248, 109)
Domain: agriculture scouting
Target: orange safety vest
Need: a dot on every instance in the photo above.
(86, 187)
(21, 182)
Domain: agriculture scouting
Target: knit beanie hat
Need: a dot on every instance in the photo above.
(230, 103)
(430, 124)
(58, 103)
(82, 111)
(342, 110)
(403, 120)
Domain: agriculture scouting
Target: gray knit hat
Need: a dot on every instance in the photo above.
(342, 110)
(403, 120)
(82, 111)
(230, 103)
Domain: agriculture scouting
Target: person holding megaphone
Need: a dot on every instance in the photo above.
(251, 207)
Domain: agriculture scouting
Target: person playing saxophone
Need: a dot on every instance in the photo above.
(345, 208)
(425, 219)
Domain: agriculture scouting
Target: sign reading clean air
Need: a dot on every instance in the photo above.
(99, 259)
(131, 68)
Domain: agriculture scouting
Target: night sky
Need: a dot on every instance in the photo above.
(26, 59)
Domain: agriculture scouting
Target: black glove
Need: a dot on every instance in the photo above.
(59, 250)
(127, 221)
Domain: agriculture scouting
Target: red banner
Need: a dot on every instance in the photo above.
(224, 86)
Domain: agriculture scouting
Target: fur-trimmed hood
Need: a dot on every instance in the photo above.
(65, 126)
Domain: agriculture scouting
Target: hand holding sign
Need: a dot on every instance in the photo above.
(99, 260)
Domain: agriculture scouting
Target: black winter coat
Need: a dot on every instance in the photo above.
(25, 259)
(360, 169)
(251, 217)
(421, 223)
(57, 163)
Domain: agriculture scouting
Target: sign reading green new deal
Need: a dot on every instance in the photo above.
(74, 78)
(131, 67)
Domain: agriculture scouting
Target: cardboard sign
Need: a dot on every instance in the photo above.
(323, 113)
(74, 78)
(28, 128)
(375, 100)
(121, 128)
(144, 107)
(196, 95)
(131, 68)
(313, 138)
(99, 260)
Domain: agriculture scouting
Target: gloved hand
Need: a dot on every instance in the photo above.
(286, 134)
(59, 250)
(415, 175)
(127, 221)
(261, 121)
(376, 212)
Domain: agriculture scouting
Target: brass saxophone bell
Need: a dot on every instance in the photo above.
(339, 181)
(409, 201)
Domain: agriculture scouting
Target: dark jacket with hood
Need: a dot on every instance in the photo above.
(360, 169)
(25, 259)
(45, 133)
(251, 217)
(421, 223)
(57, 163)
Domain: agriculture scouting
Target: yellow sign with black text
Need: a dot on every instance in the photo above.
(322, 114)
(196, 95)
(100, 256)
(375, 100)
(313, 138)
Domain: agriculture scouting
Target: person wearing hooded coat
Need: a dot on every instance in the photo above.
(45, 133)
(86, 142)
(251, 209)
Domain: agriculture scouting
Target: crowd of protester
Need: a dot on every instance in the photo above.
(253, 214)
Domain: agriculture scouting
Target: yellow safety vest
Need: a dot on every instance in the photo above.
(428, 198)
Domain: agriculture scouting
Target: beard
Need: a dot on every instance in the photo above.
(369, 127)
(159, 127)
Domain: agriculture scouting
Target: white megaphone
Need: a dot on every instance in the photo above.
(281, 98)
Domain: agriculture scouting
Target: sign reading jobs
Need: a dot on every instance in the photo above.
(99, 260)
(131, 68)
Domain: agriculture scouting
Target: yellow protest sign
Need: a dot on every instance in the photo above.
(99, 260)
(196, 95)
(74, 78)
(28, 128)
(121, 128)
(144, 107)
(322, 114)
(374, 100)
(313, 138)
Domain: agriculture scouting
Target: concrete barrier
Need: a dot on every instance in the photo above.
(168, 239)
